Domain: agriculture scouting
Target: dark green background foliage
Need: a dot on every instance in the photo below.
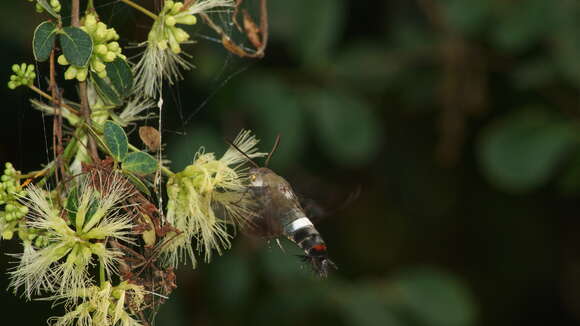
(458, 120)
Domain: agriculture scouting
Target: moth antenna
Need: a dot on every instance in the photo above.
(276, 143)
(242, 152)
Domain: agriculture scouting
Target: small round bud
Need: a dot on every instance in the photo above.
(170, 21)
(186, 20)
(101, 49)
(90, 20)
(110, 57)
(62, 60)
(112, 34)
(70, 73)
(180, 35)
(7, 234)
(82, 74)
(176, 7)
(98, 66)
(113, 46)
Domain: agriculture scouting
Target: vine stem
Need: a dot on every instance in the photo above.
(141, 9)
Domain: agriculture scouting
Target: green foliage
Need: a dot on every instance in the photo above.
(121, 77)
(77, 45)
(139, 163)
(116, 140)
(43, 40)
(106, 92)
(522, 151)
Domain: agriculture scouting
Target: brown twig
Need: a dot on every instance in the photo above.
(57, 146)
(258, 36)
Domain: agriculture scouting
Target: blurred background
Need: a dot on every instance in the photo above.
(457, 120)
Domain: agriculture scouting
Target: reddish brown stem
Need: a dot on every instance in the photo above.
(57, 146)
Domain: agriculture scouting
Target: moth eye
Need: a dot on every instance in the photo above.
(253, 177)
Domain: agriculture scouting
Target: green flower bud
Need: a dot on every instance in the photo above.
(7, 234)
(180, 35)
(176, 8)
(101, 49)
(62, 60)
(98, 66)
(170, 21)
(70, 73)
(110, 57)
(113, 46)
(82, 74)
(186, 20)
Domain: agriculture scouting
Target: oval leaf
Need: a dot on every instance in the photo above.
(121, 76)
(138, 183)
(43, 40)
(520, 152)
(105, 91)
(140, 163)
(116, 140)
(77, 45)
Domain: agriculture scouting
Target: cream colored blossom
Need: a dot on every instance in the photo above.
(206, 197)
(73, 235)
(163, 58)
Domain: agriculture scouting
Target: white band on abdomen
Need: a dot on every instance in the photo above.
(298, 224)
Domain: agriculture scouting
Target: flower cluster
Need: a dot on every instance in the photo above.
(164, 33)
(13, 211)
(207, 196)
(105, 49)
(74, 236)
(162, 59)
(54, 4)
(104, 305)
(23, 75)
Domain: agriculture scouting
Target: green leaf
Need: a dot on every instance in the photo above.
(138, 183)
(522, 151)
(348, 129)
(77, 45)
(43, 40)
(116, 140)
(106, 92)
(72, 203)
(121, 77)
(140, 163)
